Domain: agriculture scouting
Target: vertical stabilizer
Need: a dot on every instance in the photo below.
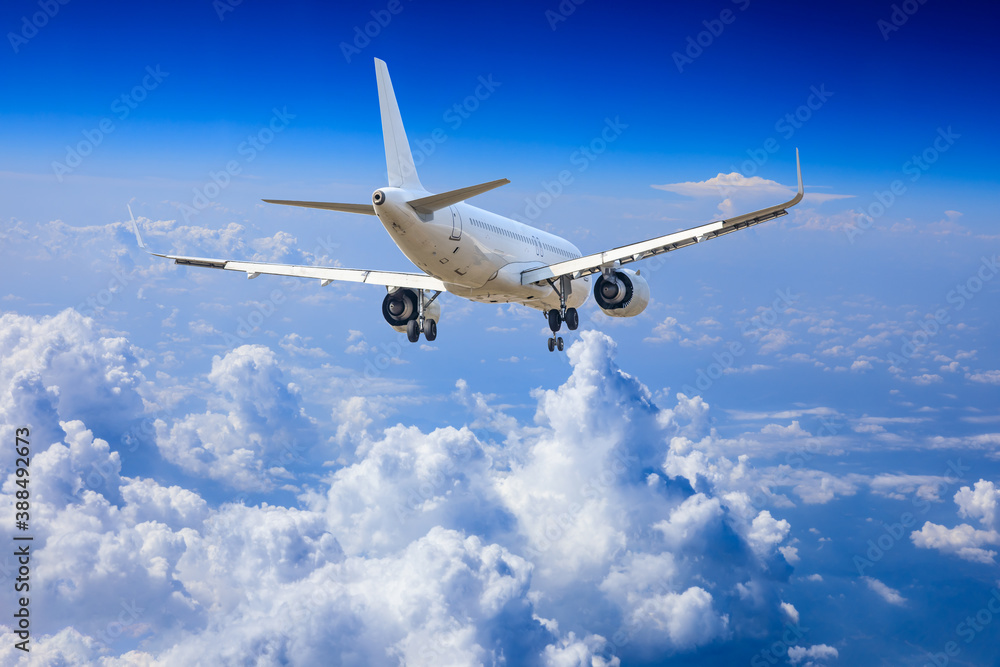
(398, 159)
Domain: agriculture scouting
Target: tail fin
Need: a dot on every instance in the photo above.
(398, 159)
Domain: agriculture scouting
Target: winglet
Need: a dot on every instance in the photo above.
(135, 228)
(798, 168)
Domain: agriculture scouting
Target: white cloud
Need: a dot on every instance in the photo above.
(64, 367)
(980, 502)
(425, 548)
(791, 612)
(926, 487)
(890, 595)
(965, 541)
(667, 331)
(775, 340)
(767, 532)
(791, 554)
(797, 654)
(724, 185)
(985, 377)
(259, 429)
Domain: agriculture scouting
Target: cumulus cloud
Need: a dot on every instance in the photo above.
(979, 502)
(797, 654)
(258, 430)
(561, 547)
(63, 366)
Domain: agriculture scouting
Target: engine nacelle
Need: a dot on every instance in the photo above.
(626, 294)
(400, 306)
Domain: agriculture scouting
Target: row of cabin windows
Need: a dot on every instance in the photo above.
(520, 237)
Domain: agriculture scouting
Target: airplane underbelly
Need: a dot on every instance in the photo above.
(506, 287)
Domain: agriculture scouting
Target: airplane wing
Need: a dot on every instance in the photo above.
(324, 274)
(584, 266)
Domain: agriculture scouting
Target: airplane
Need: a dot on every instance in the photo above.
(479, 255)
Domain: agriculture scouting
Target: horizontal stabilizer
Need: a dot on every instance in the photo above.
(446, 199)
(364, 209)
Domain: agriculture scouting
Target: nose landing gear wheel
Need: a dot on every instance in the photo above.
(430, 330)
(559, 343)
(412, 331)
(572, 319)
(552, 344)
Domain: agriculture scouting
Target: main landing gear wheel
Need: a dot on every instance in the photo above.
(572, 319)
(412, 331)
(430, 330)
(555, 321)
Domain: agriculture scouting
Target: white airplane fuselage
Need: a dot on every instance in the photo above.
(479, 255)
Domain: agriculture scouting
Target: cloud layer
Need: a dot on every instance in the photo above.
(598, 532)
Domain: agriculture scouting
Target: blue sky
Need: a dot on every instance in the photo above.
(790, 457)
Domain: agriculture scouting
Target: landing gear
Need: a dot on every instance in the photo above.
(563, 314)
(418, 323)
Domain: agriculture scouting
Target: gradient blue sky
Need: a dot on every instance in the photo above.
(843, 425)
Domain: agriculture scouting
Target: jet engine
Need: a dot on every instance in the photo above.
(623, 293)
(400, 306)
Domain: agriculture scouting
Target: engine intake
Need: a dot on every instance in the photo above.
(623, 293)
(400, 306)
